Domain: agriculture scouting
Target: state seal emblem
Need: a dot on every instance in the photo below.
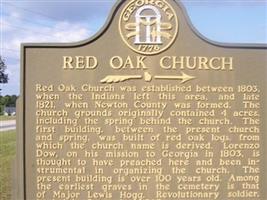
(148, 27)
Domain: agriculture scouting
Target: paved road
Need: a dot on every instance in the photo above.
(7, 125)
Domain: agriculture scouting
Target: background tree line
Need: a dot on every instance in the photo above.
(7, 101)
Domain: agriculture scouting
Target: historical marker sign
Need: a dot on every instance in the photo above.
(146, 109)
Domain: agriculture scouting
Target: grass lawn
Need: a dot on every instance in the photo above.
(7, 154)
(5, 118)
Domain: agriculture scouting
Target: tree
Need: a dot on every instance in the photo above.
(3, 75)
(11, 100)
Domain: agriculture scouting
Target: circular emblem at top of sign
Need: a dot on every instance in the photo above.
(148, 26)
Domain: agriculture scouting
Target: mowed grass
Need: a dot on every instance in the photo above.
(7, 155)
(6, 118)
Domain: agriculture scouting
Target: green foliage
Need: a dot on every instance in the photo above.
(3, 75)
(2, 107)
(8, 101)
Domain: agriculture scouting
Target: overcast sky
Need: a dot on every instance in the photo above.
(231, 21)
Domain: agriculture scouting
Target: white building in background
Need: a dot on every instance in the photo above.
(10, 111)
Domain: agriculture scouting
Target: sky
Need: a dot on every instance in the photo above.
(228, 21)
